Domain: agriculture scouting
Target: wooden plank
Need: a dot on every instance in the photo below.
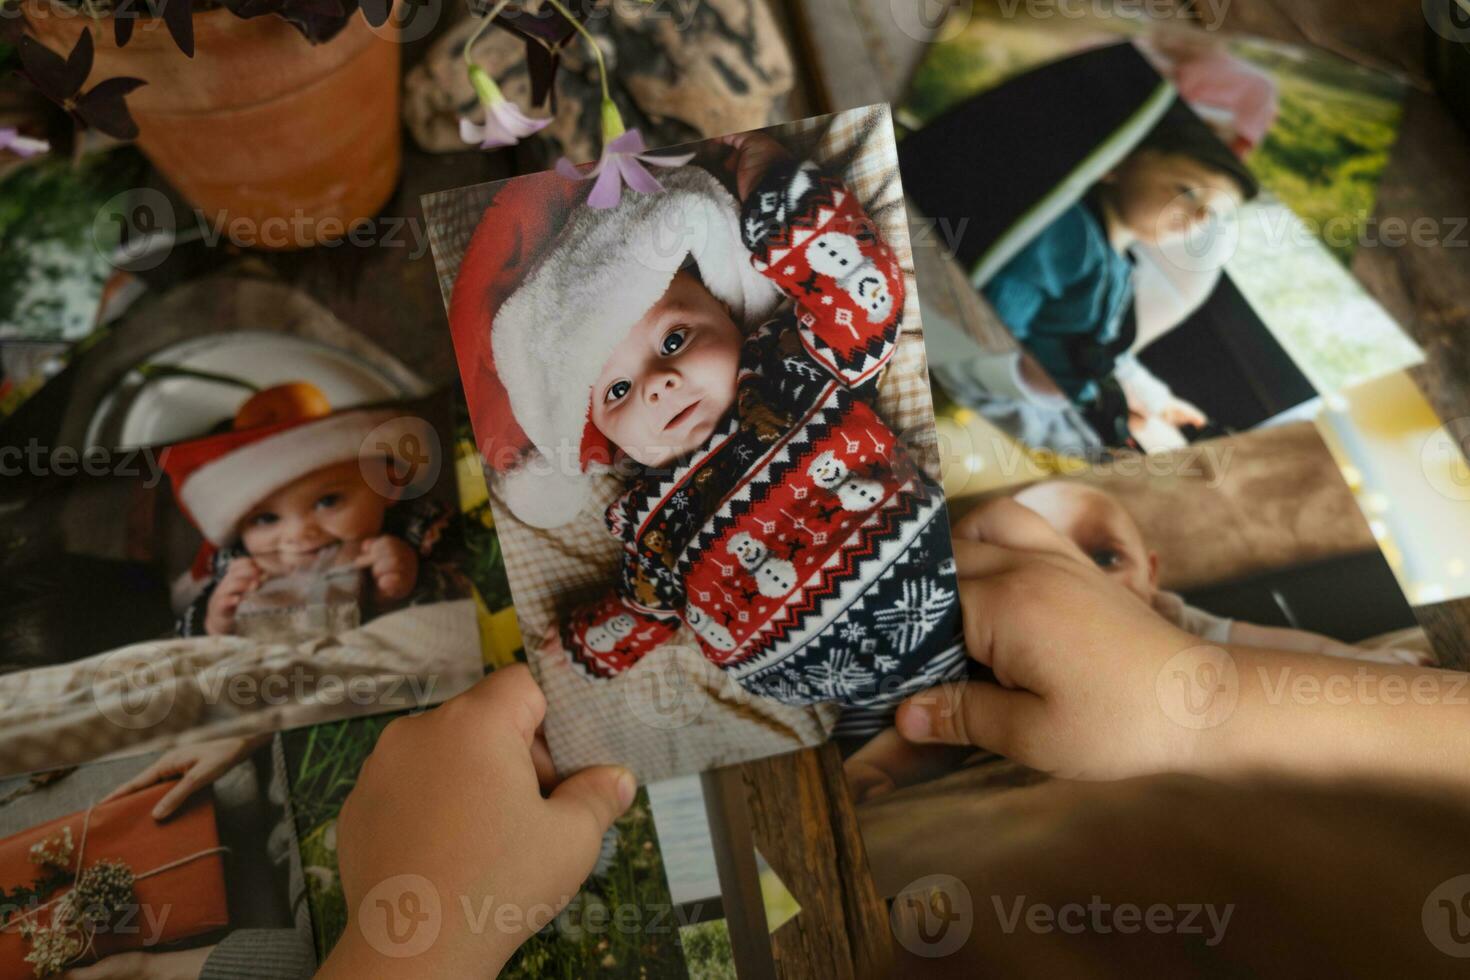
(830, 41)
(802, 820)
(728, 811)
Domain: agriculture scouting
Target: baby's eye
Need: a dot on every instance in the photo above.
(263, 520)
(1106, 558)
(616, 391)
(329, 500)
(674, 340)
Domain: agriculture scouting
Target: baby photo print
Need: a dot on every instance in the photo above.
(295, 563)
(704, 415)
(1141, 281)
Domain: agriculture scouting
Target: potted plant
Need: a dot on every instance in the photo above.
(281, 113)
(284, 113)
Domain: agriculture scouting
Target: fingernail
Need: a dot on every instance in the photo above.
(914, 722)
(627, 789)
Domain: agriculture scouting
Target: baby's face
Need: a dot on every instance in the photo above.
(1099, 525)
(323, 508)
(1162, 197)
(666, 387)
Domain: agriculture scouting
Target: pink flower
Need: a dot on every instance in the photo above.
(622, 161)
(21, 146)
(504, 125)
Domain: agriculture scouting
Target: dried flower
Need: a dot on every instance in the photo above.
(56, 851)
(102, 891)
(52, 948)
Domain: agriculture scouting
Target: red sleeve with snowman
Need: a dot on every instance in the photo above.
(808, 234)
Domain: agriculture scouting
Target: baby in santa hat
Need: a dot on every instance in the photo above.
(723, 360)
(286, 497)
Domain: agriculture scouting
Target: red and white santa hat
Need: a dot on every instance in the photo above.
(548, 289)
(219, 479)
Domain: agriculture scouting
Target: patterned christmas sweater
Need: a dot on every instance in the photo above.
(807, 554)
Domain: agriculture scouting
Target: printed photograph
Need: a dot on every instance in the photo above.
(181, 865)
(1152, 287)
(258, 530)
(703, 407)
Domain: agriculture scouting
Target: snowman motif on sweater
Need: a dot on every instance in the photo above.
(853, 492)
(798, 540)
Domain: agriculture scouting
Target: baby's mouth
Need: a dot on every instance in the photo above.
(682, 416)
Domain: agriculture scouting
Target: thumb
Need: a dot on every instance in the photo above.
(977, 713)
(593, 799)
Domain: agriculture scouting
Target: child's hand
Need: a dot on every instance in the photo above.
(242, 576)
(752, 155)
(393, 564)
(1076, 657)
(447, 816)
(1180, 413)
(1092, 683)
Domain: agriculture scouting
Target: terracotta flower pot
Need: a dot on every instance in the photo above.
(281, 143)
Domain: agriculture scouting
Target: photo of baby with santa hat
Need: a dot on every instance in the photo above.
(311, 494)
(723, 361)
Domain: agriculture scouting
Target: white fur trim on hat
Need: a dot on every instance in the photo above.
(220, 493)
(605, 270)
(542, 494)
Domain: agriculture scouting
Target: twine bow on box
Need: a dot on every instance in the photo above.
(96, 897)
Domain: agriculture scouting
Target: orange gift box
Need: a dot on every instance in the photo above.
(183, 900)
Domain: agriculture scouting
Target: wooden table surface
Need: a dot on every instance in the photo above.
(796, 808)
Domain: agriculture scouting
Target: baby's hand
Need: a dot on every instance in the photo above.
(1180, 413)
(752, 155)
(393, 564)
(242, 576)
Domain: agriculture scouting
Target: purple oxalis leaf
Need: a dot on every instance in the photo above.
(178, 17)
(104, 109)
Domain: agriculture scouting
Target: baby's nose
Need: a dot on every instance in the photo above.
(667, 383)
